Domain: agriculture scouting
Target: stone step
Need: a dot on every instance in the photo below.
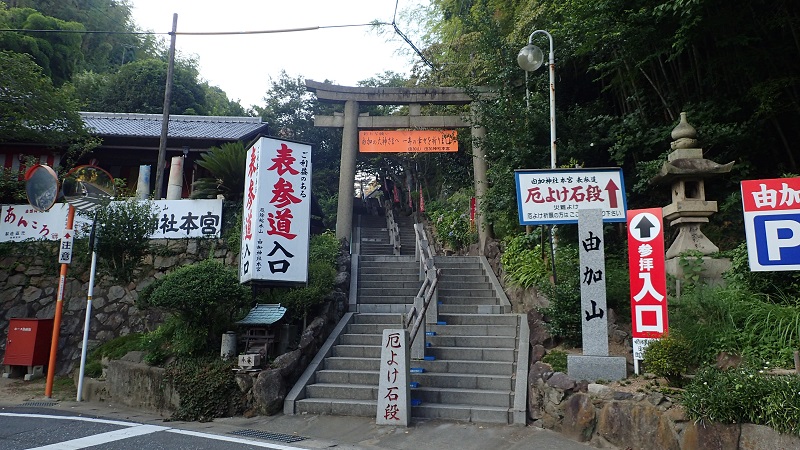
(388, 259)
(451, 272)
(504, 342)
(468, 282)
(395, 308)
(482, 291)
(342, 391)
(366, 292)
(377, 318)
(479, 319)
(345, 363)
(377, 273)
(452, 300)
(359, 351)
(367, 377)
(463, 353)
(386, 299)
(360, 339)
(389, 284)
(460, 380)
(369, 328)
(473, 330)
(463, 413)
(338, 407)
(445, 396)
(470, 309)
(465, 368)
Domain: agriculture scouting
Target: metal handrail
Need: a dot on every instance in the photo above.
(394, 232)
(426, 295)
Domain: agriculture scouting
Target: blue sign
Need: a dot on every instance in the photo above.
(777, 241)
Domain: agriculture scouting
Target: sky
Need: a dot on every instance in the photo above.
(241, 65)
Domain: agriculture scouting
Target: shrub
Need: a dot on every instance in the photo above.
(668, 357)
(745, 395)
(205, 297)
(206, 387)
(523, 263)
(557, 360)
(123, 233)
(451, 220)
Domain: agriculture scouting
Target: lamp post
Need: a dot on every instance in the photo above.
(530, 58)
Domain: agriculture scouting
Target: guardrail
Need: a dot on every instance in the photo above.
(425, 308)
(394, 232)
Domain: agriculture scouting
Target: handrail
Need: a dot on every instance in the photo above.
(394, 232)
(421, 312)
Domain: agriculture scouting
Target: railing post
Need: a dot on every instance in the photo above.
(418, 345)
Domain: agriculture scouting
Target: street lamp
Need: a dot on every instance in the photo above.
(529, 59)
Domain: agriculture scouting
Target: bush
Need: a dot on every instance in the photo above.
(522, 261)
(778, 285)
(123, 235)
(206, 387)
(745, 395)
(205, 297)
(668, 357)
(557, 360)
(450, 220)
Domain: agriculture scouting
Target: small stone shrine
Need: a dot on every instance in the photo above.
(686, 170)
(259, 334)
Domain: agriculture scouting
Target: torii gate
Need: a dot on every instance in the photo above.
(352, 121)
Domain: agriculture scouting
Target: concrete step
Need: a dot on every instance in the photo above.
(377, 273)
(479, 319)
(467, 282)
(395, 308)
(493, 342)
(462, 413)
(457, 272)
(338, 407)
(480, 397)
(386, 299)
(367, 377)
(389, 284)
(482, 291)
(470, 309)
(369, 328)
(345, 363)
(388, 259)
(377, 318)
(452, 300)
(342, 391)
(364, 293)
(460, 353)
(361, 351)
(472, 330)
(465, 368)
(460, 380)
(360, 339)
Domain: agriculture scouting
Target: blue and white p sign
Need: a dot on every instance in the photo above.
(772, 223)
(777, 239)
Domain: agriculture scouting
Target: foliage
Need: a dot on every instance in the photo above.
(206, 387)
(123, 232)
(451, 220)
(557, 360)
(114, 349)
(691, 264)
(668, 357)
(777, 285)
(226, 164)
(737, 321)
(300, 301)
(745, 395)
(523, 260)
(31, 109)
(205, 297)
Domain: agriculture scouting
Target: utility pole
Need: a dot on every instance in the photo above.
(162, 145)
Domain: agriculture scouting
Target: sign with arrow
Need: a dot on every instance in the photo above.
(65, 249)
(555, 196)
(648, 279)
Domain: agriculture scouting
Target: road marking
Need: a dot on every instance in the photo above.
(133, 430)
(103, 438)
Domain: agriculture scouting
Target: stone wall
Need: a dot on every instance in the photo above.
(29, 276)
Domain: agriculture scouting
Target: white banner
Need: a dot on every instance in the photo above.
(177, 219)
(276, 213)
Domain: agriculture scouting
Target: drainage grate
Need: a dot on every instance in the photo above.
(39, 404)
(287, 438)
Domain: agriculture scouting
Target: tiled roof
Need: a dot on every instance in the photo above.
(180, 126)
(264, 314)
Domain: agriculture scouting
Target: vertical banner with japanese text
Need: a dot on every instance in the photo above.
(647, 277)
(394, 402)
(276, 213)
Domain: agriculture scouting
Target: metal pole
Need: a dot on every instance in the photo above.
(51, 365)
(162, 144)
(86, 324)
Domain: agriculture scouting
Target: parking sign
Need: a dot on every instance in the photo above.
(772, 223)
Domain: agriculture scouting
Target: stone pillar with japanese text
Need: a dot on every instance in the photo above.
(394, 399)
(595, 363)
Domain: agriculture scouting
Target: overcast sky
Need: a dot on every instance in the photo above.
(242, 64)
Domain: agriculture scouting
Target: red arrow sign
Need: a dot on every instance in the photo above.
(612, 189)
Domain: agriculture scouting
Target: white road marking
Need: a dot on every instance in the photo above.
(132, 430)
(103, 438)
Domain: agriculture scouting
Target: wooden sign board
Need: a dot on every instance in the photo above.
(408, 141)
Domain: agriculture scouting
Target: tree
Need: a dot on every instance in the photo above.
(32, 110)
(226, 164)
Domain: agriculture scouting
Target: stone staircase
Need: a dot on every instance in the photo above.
(470, 371)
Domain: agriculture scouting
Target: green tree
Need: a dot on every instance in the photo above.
(226, 164)
(124, 229)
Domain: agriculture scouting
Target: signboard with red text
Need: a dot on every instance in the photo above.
(276, 213)
(555, 196)
(407, 141)
(772, 223)
(648, 279)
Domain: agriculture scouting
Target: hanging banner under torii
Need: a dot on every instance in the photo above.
(408, 141)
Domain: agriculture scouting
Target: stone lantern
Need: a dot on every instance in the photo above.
(686, 170)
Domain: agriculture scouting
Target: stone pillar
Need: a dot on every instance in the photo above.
(479, 167)
(347, 172)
